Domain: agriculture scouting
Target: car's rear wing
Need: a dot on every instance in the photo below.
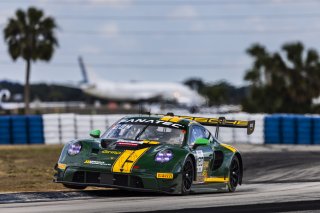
(223, 122)
(220, 122)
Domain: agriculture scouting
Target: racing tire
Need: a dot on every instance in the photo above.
(234, 174)
(69, 186)
(187, 176)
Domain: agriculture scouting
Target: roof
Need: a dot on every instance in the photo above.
(177, 120)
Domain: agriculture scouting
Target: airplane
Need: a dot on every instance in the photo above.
(138, 91)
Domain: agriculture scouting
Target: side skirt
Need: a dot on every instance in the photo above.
(209, 187)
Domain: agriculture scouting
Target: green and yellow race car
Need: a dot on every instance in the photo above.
(162, 153)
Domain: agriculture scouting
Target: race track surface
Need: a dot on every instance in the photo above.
(277, 179)
(119, 201)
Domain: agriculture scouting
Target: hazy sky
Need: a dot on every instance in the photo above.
(162, 40)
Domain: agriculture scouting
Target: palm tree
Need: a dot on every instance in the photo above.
(30, 35)
(284, 81)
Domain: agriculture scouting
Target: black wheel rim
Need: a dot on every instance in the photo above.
(187, 175)
(234, 173)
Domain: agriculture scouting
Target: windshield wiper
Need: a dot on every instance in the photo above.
(142, 131)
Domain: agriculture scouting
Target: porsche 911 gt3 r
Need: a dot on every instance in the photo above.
(163, 153)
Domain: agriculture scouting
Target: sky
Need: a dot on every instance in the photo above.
(162, 40)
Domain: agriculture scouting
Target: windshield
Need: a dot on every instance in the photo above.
(145, 132)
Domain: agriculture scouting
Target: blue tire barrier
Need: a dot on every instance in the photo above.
(316, 130)
(288, 129)
(18, 129)
(35, 129)
(292, 129)
(5, 128)
(271, 130)
(304, 130)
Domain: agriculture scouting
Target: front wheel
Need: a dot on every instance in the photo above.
(187, 176)
(69, 186)
(234, 174)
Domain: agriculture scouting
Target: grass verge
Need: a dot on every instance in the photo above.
(28, 168)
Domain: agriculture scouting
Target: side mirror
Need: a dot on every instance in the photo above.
(95, 133)
(201, 142)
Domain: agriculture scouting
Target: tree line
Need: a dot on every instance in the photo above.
(283, 81)
(45, 92)
(219, 93)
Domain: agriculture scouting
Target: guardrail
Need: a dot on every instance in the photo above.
(61, 128)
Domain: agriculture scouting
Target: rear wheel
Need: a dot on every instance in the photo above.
(69, 186)
(187, 176)
(234, 174)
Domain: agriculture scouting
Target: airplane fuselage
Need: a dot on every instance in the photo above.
(135, 91)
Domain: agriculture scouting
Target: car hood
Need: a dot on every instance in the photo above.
(119, 156)
(123, 144)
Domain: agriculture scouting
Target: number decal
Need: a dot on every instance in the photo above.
(200, 159)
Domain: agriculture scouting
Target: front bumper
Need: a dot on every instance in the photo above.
(138, 181)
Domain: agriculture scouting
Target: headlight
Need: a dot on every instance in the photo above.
(164, 156)
(74, 148)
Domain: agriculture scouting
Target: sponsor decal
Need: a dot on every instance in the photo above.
(151, 142)
(62, 166)
(205, 169)
(215, 121)
(171, 119)
(130, 141)
(127, 144)
(216, 180)
(165, 175)
(95, 162)
(200, 159)
(135, 143)
(111, 152)
(204, 174)
(150, 121)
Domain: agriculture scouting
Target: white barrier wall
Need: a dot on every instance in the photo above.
(99, 122)
(240, 135)
(67, 127)
(51, 128)
(61, 128)
(83, 125)
(257, 137)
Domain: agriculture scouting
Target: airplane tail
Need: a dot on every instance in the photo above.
(88, 77)
(83, 71)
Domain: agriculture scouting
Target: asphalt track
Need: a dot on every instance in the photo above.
(277, 179)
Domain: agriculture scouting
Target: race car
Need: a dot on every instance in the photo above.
(161, 153)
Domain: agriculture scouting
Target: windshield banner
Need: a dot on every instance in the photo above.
(152, 121)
